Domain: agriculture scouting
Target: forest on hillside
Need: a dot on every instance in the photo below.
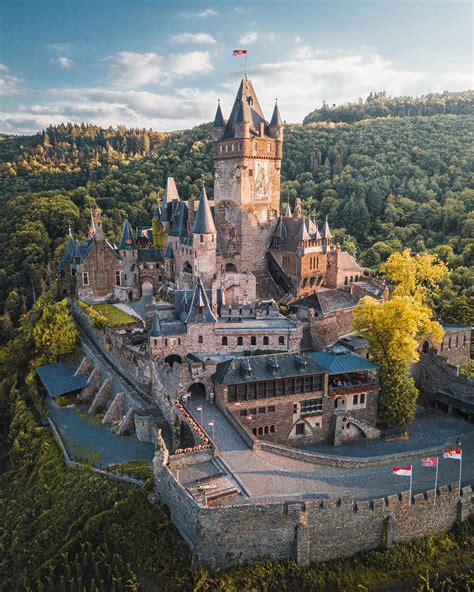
(381, 105)
(385, 183)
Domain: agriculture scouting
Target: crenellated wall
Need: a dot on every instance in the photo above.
(310, 530)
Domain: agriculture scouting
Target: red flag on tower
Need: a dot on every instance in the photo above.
(430, 461)
(238, 52)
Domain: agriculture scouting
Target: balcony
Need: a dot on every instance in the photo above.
(353, 383)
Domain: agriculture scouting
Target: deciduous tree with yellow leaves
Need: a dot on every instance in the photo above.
(395, 327)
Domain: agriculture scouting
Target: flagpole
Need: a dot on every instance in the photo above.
(460, 472)
(436, 482)
(201, 417)
(411, 481)
(246, 66)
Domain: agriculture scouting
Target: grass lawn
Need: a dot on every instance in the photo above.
(114, 315)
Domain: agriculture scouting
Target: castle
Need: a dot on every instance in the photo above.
(222, 269)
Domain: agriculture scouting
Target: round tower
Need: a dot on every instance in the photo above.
(204, 242)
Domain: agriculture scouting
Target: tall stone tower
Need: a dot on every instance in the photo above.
(247, 156)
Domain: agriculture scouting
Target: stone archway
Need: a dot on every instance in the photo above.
(230, 268)
(147, 288)
(173, 359)
(197, 391)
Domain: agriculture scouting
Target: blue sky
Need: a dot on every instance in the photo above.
(163, 64)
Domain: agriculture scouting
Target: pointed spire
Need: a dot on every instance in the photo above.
(297, 210)
(200, 310)
(77, 250)
(169, 251)
(155, 325)
(276, 119)
(303, 234)
(127, 242)
(204, 222)
(317, 236)
(70, 232)
(326, 230)
(288, 212)
(219, 118)
(170, 194)
(246, 109)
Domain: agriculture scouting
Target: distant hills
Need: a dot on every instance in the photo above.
(381, 105)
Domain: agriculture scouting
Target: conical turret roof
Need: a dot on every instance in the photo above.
(169, 195)
(326, 230)
(127, 241)
(204, 222)
(219, 118)
(276, 119)
(288, 212)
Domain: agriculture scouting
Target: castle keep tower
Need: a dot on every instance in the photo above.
(247, 156)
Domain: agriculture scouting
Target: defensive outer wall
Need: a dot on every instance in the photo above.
(306, 531)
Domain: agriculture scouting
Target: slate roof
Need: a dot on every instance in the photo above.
(127, 240)
(169, 195)
(204, 222)
(246, 109)
(155, 325)
(327, 301)
(150, 255)
(169, 251)
(266, 367)
(291, 231)
(60, 379)
(219, 118)
(346, 262)
(200, 310)
(178, 218)
(340, 360)
(276, 119)
(452, 328)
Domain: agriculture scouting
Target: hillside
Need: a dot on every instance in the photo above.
(381, 105)
(384, 183)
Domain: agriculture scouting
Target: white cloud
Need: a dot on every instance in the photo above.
(138, 69)
(60, 47)
(193, 38)
(63, 62)
(9, 85)
(248, 38)
(203, 14)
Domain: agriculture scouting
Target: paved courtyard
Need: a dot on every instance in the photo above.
(265, 476)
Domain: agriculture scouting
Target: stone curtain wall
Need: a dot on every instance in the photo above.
(315, 530)
(433, 373)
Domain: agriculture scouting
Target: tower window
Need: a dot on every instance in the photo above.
(85, 278)
(117, 278)
(224, 341)
(201, 238)
(281, 340)
(250, 173)
(240, 341)
(240, 145)
(200, 339)
(253, 340)
(265, 340)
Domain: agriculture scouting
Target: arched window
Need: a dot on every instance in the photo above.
(240, 341)
(253, 340)
(272, 429)
(254, 431)
(187, 267)
(224, 341)
(265, 430)
(281, 340)
(260, 431)
(265, 340)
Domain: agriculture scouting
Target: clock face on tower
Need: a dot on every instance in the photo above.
(261, 179)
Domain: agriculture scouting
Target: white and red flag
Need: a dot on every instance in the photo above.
(430, 461)
(453, 453)
(238, 52)
(403, 471)
(199, 408)
(211, 423)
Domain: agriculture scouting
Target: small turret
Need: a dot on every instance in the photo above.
(219, 124)
(127, 241)
(327, 231)
(170, 194)
(276, 124)
(297, 210)
(91, 232)
(204, 241)
(288, 212)
(96, 225)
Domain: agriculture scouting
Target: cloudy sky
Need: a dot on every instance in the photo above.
(163, 64)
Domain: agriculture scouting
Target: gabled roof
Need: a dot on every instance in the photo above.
(266, 367)
(340, 360)
(204, 222)
(219, 118)
(127, 240)
(246, 109)
(61, 379)
(200, 310)
(328, 301)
